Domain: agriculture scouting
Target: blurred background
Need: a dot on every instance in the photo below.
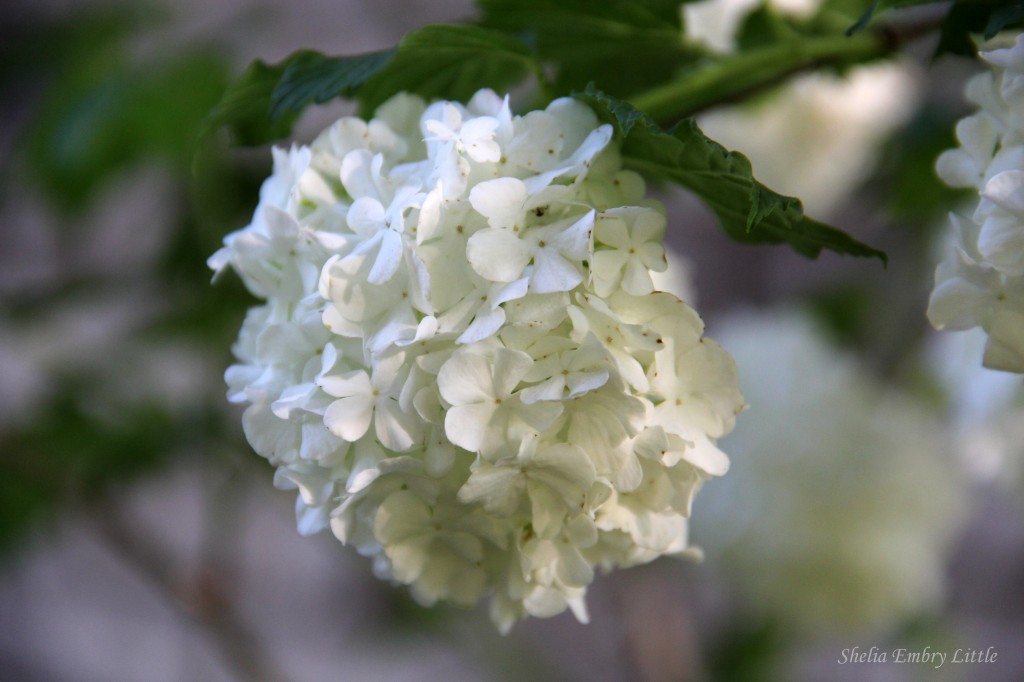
(875, 494)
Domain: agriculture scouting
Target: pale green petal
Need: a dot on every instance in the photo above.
(636, 278)
(548, 508)
(1005, 348)
(611, 230)
(544, 602)
(497, 488)
(573, 569)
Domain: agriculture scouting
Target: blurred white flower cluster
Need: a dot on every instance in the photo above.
(980, 282)
(984, 411)
(462, 363)
(818, 135)
(843, 498)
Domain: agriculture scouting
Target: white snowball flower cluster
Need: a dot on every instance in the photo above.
(980, 282)
(462, 364)
(843, 498)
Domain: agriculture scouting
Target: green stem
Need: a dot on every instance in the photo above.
(734, 77)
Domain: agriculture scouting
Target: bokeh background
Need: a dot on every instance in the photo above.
(875, 496)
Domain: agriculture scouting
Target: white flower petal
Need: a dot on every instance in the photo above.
(581, 382)
(356, 382)
(498, 255)
(509, 368)
(1005, 347)
(349, 418)
(573, 569)
(396, 430)
(485, 324)
(1007, 190)
(388, 258)
(552, 272)
(467, 425)
(366, 216)
(707, 457)
(594, 143)
(552, 389)
(636, 278)
(466, 378)
(544, 602)
(500, 201)
(1001, 242)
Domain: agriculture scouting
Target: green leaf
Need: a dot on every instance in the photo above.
(625, 45)
(1004, 17)
(965, 18)
(310, 77)
(436, 61)
(878, 7)
(864, 19)
(970, 17)
(244, 108)
(748, 211)
(451, 62)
